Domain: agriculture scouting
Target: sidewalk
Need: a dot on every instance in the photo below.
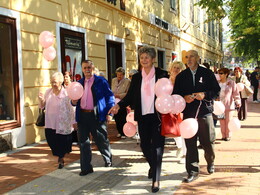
(34, 170)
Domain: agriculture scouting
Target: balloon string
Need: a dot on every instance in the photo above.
(198, 110)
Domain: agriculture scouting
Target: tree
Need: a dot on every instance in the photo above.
(244, 23)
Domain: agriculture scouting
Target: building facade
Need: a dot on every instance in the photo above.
(109, 32)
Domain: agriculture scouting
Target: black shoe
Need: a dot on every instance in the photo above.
(191, 178)
(150, 174)
(61, 165)
(155, 188)
(227, 139)
(83, 173)
(211, 168)
(109, 164)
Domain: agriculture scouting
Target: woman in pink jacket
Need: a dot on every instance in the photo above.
(229, 96)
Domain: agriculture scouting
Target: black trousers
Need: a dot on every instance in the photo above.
(98, 129)
(206, 134)
(242, 112)
(120, 119)
(59, 144)
(255, 92)
(152, 142)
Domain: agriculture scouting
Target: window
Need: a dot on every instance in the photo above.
(184, 8)
(9, 79)
(173, 4)
(192, 19)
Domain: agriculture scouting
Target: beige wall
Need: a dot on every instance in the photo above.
(99, 18)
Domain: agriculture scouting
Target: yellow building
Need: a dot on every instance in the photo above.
(109, 32)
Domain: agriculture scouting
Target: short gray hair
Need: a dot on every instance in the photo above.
(120, 69)
(59, 76)
(148, 50)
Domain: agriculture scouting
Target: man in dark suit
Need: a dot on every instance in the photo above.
(199, 87)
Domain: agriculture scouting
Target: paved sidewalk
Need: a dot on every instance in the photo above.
(34, 170)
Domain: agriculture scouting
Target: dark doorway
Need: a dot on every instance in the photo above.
(114, 58)
(160, 59)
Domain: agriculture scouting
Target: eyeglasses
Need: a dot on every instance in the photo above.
(221, 73)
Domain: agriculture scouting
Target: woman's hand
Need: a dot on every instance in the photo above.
(114, 109)
(41, 97)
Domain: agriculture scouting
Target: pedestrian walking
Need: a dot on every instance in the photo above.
(92, 116)
(255, 83)
(198, 86)
(174, 69)
(120, 86)
(59, 118)
(230, 97)
(141, 97)
(240, 78)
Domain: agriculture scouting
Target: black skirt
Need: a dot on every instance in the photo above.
(59, 144)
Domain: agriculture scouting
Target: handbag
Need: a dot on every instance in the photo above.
(248, 91)
(170, 125)
(218, 117)
(40, 122)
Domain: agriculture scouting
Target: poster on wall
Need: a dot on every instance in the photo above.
(73, 57)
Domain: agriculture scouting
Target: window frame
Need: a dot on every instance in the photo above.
(17, 121)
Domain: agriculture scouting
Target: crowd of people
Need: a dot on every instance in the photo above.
(88, 116)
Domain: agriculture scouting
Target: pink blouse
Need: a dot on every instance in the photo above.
(59, 113)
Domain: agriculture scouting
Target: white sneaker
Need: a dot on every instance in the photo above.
(118, 135)
(123, 137)
(182, 160)
(256, 102)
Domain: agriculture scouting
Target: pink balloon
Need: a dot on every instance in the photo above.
(75, 90)
(130, 118)
(46, 39)
(49, 53)
(189, 128)
(129, 129)
(179, 104)
(234, 124)
(218, 107)
(163, 87)
(240, 86)
(164, 104)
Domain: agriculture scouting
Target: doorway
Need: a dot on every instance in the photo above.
(114, 58)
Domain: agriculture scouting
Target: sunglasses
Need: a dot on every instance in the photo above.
(221, 73)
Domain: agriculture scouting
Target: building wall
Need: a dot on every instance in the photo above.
(100, 19)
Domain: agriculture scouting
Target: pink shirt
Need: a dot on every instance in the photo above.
(87, 102)
(59, 114)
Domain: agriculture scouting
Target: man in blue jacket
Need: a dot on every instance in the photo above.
(91, 116)
(198, 86)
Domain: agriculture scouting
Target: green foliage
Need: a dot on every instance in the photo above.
(244, 16)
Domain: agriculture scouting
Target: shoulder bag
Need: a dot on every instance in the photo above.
(170, 125)
(40, 122)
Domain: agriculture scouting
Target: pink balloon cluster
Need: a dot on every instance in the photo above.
(165, 103)
(46, 40)
(130, 126)
(75, 90)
